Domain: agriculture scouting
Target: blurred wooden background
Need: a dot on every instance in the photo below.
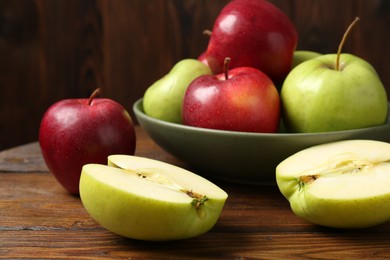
(56, 49)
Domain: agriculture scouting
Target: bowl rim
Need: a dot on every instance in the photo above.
(139, 112)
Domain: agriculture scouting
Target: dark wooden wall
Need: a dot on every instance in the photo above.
(56, 49)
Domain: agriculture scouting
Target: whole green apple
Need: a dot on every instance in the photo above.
(145, 199)
(316, 97)
(345, 184)
(164, 98)
(303, 55)
(333, 92)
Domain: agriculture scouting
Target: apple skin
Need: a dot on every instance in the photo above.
(254, 34)
(202, 58)
(317, 98)
(73, 133)
(351, 187)
(247, 101)
(302, 56)
(164, 98)
(134, 207)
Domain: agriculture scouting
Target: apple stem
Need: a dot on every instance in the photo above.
(226, 67)
(197, 203)
(93, 95)
(207, 32)
(357, 19)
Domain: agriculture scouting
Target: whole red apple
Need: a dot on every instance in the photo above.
(242, 99)
(254, 34)
(74, 132)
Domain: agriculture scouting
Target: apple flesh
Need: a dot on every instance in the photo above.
(146, 199)
(74, 132)
(244, 99)
(345, 184)
(164, 98)
(254, 34)
(318, 98)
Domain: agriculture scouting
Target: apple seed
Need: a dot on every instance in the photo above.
(307, 179)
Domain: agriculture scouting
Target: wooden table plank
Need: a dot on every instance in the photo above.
(96, 244)
(26, 158)
(39, 219)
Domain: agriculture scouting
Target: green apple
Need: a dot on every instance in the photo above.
(345, 184)
(333, 92)
(300, 56)
(164, 98)
(318, 98)
(146, 199)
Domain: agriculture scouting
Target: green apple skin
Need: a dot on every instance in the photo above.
(300, 56)
(133, 207)
(164, 98)
(317, 98)
(351, 188)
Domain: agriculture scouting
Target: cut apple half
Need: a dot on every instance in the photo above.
(344, 184)
(147, 199)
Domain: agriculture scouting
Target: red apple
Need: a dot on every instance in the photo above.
(74, 132)
(242, 99)
(202, 57)
(254, 34)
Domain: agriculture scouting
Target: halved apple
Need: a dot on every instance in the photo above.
(147, 199)
(344, 184)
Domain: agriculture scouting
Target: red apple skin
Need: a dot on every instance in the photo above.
(202, 58)
(254, 34)
(248, 102)
(73, 133)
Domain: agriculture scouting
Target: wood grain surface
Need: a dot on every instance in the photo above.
(40, 220)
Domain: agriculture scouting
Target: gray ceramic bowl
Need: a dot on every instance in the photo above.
(238, 156)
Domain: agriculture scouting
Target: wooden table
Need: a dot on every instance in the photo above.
(39, 219)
